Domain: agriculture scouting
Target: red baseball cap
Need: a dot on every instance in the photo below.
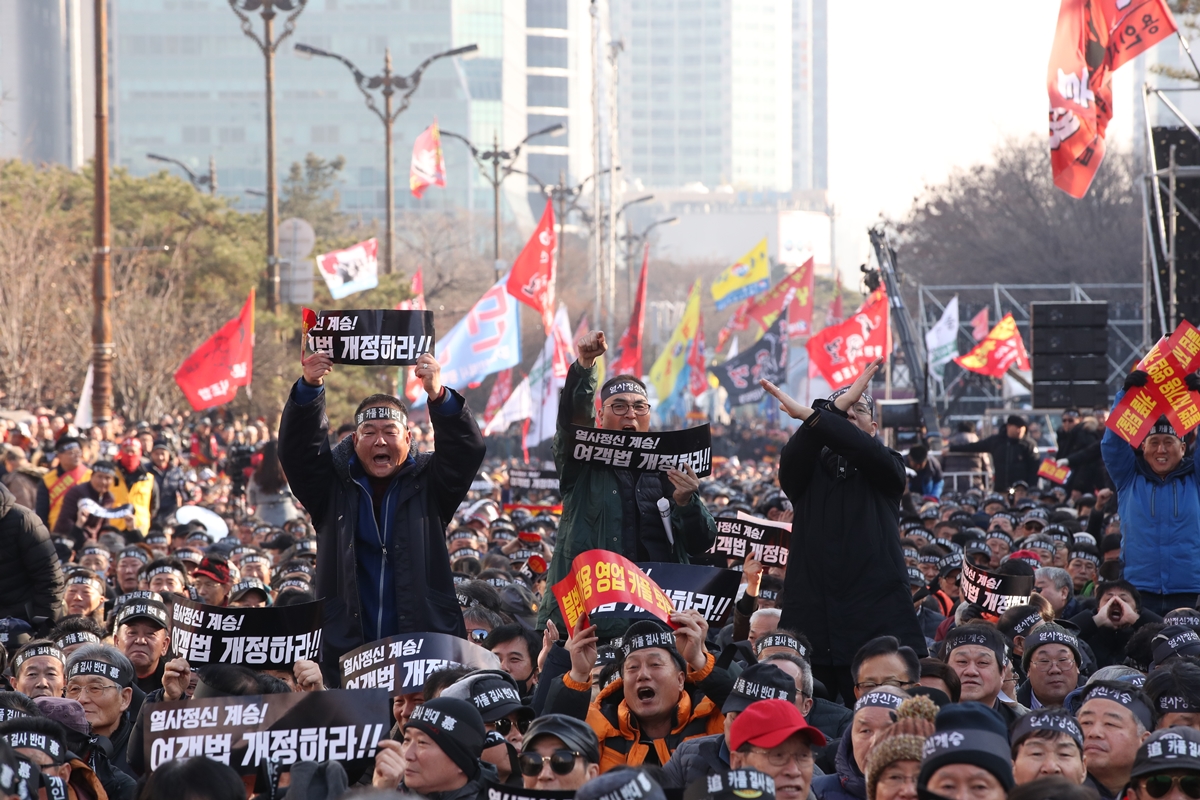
(215, 568)
(768, 723)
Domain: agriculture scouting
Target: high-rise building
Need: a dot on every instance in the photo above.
(707, 92)
(47, 81)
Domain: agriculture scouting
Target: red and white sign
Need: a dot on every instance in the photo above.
(841, 352)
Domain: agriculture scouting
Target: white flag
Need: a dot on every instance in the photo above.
(941, 341)
(83, 412)
(351, 270)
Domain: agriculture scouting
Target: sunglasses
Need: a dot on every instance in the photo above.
(561, 762)
(504, 727)
(479, 634)
(1160, 785)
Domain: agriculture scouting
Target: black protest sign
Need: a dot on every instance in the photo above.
(400, 664)
(259, 638)
(995, 593)
(709, 590)
(373, 338)
(533, 479)
(650, 451)
(502, 791)
(243, 732)
(766, 359)
(766, 540)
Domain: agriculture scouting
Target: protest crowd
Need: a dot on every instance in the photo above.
(211, 608)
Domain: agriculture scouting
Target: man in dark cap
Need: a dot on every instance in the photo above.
(439, 757)
(1014, 455)
(1167, 766)
(617, 509)
(1161, 558)
(846, 581)
(379, 507)
(968, 755)
(559, 753)
(142, 632)
(495, 694)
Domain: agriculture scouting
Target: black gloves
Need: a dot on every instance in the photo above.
(1193, 382)
(1136, 378)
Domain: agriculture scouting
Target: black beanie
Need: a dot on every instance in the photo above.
(456, 727)
(968, 733)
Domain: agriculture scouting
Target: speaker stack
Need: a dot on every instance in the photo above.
(1069, 351)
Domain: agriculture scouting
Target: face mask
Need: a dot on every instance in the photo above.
(130, 461)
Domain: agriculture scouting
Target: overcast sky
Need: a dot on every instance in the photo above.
(917, 89)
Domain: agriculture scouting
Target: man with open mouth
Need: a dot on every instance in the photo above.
(612, 508)
(380, 508)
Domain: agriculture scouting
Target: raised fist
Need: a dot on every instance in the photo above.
(590, 347)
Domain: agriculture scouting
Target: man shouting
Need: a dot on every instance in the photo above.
(617, 509)
(379, 508)
(846, 582)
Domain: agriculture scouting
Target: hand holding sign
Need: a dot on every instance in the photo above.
(177, 675)
(429, 371)
(686, 484)
(689, 637)
(316, 367)
(389, 765)
(590, 347)
(582, 645)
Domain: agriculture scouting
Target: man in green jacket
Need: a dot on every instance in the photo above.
(617, 509)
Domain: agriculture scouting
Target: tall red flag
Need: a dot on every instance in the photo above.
(627, 360)
(835, 308)
(841, 352)
(697, 363)
(501, 389)
(428, 166)
(1001, 349)
(533, 273)
(763, 309)
(210, 375)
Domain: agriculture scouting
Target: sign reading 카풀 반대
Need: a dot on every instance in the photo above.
(243, 732)
(259, 638)
(372, 338)
(689, 587)
(400, 664)
(744, 535)
(995, 593)
(599, 577)
(651, 451)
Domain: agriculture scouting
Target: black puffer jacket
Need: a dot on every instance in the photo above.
(846, 581)
(432, 486)
(31, 583)
(1012, 459)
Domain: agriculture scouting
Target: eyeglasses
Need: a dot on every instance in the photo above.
(861, 408)
(1161, 785)
(561, 762)
(504, 726)
(895, 683)
(621, 408)
(1044, 664)
(74, 690)
(778, 759)
(479, 634)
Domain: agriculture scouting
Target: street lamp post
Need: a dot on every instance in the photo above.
(560, 193)
(630, 239)
(268, 44)
(407, 85)
(196, 180)
(496, 157)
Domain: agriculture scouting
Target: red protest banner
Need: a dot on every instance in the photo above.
(1165, 393)
(999, 350)
(1051, 471)
(599, 577)
(210, 376)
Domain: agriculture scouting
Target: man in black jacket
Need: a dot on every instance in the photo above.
(379, 508)
(31, 585)
(1014, 455)
(846, 581)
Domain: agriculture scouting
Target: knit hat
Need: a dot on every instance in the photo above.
(456, 727)
(968, 733)
(903, 740)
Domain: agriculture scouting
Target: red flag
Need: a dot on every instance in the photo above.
(428, 167)
(627, 360)
(1080, 86)
(210, 376)
(533, 273)
(979, 325)
(412, 385)
(501, 389)
(1001, 349)
(840, 352)
(763, 309)
(1134, 26)
(835, 308)
(697, 363)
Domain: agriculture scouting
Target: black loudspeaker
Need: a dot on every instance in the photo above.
(1068, 345)
(899, 413)
(1187, 236)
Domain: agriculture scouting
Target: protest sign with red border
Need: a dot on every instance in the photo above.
(1167, 363)
(599, 577)
(1051, 471)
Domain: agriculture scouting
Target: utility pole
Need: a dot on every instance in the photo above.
(268, 44)
(390, 84)
(102, 343)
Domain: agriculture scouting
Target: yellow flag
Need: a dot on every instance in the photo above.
(671, 361)
(746, 278)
